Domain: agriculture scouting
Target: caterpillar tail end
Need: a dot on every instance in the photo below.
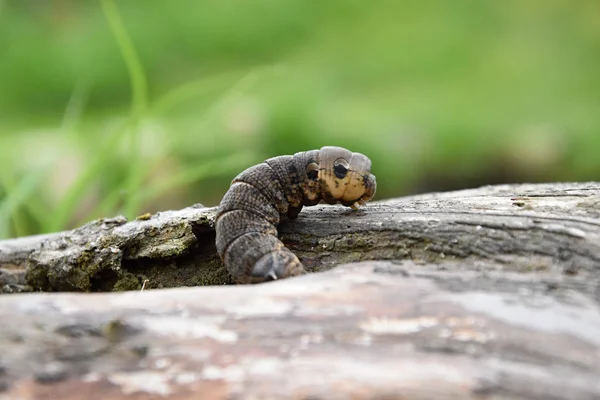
(279, 264)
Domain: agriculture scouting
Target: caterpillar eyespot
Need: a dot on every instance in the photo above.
(340, 168)
(263, 195)
(312, 171)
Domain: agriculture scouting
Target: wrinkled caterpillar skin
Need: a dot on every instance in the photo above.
(264, 195)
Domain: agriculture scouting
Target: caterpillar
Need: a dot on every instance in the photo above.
(262, 196)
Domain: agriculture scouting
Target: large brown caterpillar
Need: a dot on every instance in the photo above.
(263, 195)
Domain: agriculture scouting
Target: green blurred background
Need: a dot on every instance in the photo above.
(126, 107)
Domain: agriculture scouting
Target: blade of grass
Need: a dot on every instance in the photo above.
(218, 167)
(17, 195)
(137, 75)
(244, 83)
(75, 107)
(135, 180)
(139, 100)
(33, 205)
(38, 210)
(100, 159)
(196, 88)
(19, 225)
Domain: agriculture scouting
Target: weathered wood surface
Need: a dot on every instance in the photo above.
(525, 227)
(372, 330)
(491, 293)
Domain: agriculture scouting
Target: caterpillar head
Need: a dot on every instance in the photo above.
(343, 176)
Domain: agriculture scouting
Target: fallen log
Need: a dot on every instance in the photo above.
(525, 227)
(484, 293)
(371, 330)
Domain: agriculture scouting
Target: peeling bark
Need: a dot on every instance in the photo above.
(168, 249)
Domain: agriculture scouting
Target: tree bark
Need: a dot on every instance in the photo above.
(553, 227)
(485, 293)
